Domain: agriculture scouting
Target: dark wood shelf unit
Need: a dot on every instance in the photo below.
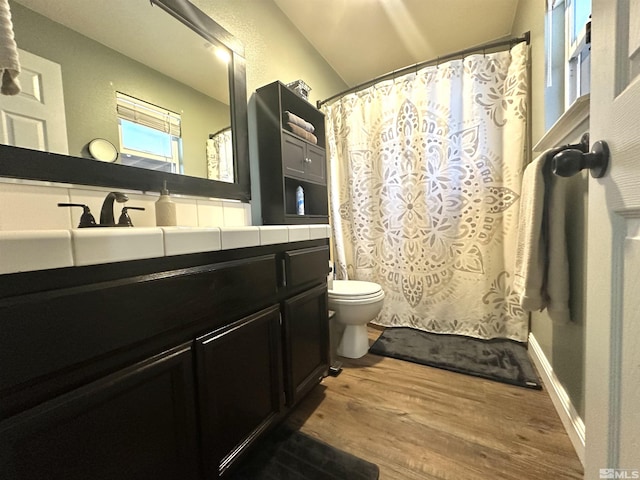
(288, 160)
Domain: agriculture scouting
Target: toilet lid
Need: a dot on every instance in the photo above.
(354, 288)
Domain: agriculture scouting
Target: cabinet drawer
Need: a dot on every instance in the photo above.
(305, 265)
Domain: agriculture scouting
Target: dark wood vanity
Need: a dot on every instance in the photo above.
(166, 368)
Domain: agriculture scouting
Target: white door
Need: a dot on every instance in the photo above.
(613, 267)
(35, 117)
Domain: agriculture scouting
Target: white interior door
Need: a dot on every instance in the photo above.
(35, 118)
(613, 270)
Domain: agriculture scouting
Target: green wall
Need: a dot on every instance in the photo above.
(275, 49)
(563, 345)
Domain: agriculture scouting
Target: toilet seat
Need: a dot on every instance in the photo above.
(355, 292)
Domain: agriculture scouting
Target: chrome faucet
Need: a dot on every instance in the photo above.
(106, 213)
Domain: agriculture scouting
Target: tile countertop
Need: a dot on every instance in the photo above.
(28, 250)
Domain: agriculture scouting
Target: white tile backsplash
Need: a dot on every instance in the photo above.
(186, 211)
(31, 205)
(210, 213)
(236, 214)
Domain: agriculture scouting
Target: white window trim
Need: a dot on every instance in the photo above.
(573, 51)
(567, 61)
(151, 116)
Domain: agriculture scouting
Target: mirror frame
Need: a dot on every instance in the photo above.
(17, 162)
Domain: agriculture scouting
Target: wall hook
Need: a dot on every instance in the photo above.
(571, 161)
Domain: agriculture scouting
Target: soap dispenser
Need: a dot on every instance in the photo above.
(165, 209)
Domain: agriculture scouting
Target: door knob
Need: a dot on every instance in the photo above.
(571, 161)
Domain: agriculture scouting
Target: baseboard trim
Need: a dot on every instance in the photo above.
(573, 424)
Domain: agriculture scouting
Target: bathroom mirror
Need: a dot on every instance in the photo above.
(173, 50)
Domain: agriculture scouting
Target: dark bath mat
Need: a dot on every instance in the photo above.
(287, 454)
(498, 359)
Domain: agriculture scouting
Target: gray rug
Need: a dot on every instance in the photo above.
(500, 359)
(287, 454)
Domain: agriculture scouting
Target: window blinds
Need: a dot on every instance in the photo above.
(149, 115)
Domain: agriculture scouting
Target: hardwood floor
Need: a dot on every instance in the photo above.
(422, 423)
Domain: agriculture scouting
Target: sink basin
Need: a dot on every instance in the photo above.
(26, 250)
(104, 245)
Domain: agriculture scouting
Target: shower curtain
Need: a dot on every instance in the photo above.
(425, 175)
(220, 156)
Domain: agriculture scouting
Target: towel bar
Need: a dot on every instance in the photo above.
(574, 158)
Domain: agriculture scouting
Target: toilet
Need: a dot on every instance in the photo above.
(355, 303)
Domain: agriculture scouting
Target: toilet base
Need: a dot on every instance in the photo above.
(354, 342)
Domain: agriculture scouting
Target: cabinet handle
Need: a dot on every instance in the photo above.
(307, 160)
(284, 273)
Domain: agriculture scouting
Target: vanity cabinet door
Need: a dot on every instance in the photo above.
(239, 384)
(137, 423)
(306, 342)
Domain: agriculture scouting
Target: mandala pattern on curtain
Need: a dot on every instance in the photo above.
(425, 179)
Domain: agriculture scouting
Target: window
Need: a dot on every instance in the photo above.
(568, 55)
(150, 136)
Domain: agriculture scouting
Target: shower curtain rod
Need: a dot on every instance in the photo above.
(526, 37)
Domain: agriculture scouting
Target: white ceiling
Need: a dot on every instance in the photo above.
(362, 39)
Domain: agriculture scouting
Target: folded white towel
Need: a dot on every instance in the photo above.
(9, 61)
(541, 264)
